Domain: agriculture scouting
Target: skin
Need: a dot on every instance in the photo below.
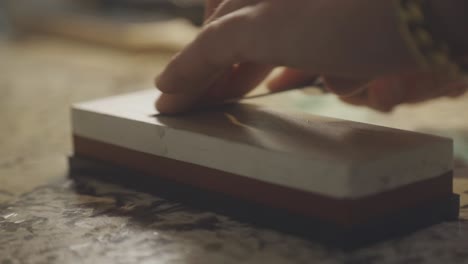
(354, 45)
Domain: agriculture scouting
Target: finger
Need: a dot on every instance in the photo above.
(457, 89)
(228, 6)
(450, 89)
(381, 94)
(385, 94)
(290, 78)
(423, 86)
(233, 84)
(360, 99)
(175, 103)
(182, 102)
(374, 98)
(210, 7)
(220, 45)
(345, 87)
(241, 80)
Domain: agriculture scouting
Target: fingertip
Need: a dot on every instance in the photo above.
(274, 86)
(384, 108)
(344, 87)
(156, 82)
(164, 84)
(289, 79)
(166, 108)
(457, 89)
(174, 104)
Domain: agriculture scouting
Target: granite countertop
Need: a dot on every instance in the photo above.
(47, 217)
(86, 220)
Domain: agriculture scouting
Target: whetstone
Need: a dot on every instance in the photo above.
(337, 171)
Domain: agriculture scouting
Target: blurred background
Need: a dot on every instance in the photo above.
(57, 52)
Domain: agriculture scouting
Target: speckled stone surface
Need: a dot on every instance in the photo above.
(95, 222)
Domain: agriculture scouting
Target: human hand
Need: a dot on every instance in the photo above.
(244, 39)
(381, 94)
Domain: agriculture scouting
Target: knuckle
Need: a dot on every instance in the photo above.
(208, 46)
(224, 40)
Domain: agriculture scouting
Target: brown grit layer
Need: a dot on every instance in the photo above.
(344, 213)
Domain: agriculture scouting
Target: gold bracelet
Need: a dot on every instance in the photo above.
(430, 53)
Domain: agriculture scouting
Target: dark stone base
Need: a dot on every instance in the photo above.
(378, 229)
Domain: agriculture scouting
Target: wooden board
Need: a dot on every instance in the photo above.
(324, 156)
